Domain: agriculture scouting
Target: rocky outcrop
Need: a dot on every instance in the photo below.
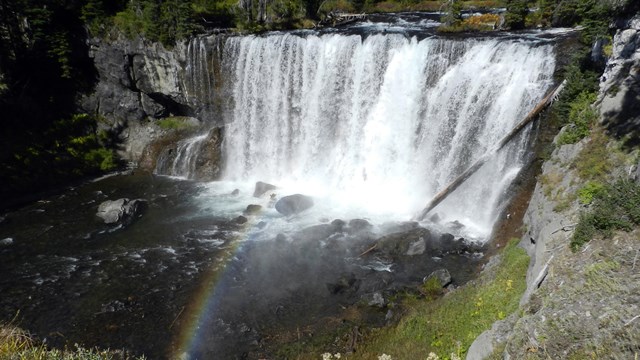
(620, 84)
(140, 80)
(587, 297)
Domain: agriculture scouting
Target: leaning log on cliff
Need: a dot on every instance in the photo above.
(533, 114)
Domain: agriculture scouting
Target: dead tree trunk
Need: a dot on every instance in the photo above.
(440, 196)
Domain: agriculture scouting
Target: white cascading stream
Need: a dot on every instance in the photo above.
(381, 124)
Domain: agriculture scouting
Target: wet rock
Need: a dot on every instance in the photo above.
(375, 299)
(281, 238)
(421, 241)
(121, 211)
(399, 243)
(317, 232)
(6, 242)
(399, 226)
(346, 283)
(209, 159)
(358, 225)
(417, 248)
(240, 220)
(261, 225)
(442, 275)
(435, 218)
(455, 225)
(235, 192)
(262, 188)
(339, 224)
(293, 204)
(252, 209)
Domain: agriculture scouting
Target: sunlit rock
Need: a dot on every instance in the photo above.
(121, 211)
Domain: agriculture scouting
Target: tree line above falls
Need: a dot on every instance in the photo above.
(45, 68)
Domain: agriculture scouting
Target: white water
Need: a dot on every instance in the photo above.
(375, 128)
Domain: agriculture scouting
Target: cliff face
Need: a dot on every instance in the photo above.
(139, 82)
(581, 304)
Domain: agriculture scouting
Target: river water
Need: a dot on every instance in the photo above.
(369, 125)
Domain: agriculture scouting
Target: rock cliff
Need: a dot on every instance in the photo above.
(140, 81)
(581, 304)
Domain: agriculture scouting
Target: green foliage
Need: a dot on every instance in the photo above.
(581, 83)
(590, 190)
(166, 21)
(451, 323)
(453, 13)
(596, 160)
(432, 288)
(517, 11)
(581, 117)
(70, 148)
(614, 207)
(594, 15)
(175, 123)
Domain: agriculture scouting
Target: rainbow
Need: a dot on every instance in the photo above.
(206, 299)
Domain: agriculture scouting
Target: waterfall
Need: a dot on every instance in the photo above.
(181, 160)
(381, 124)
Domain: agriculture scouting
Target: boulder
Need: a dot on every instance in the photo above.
(421, 241)
(442, 275)
(235, 192)
(240, 220)
(347, 283)
(293, 204)
(121, 211)
(317, 232)
(261, 188)
(399, 243)
(358, 225)
(252, 209)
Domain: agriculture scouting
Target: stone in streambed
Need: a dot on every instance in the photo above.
(121, 211)
(358, 225)
(262, 188)
(293, 204)
(252, 209)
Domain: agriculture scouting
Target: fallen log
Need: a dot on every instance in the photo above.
(451, 187)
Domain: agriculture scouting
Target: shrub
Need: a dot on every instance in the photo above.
(615, 207)
(589, 191)
(581, 117)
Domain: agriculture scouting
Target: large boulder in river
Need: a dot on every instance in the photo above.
(294, 204)
(261, 188)
(121, 211)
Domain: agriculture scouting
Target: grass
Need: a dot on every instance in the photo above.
(448, 325)
(17, 344)
(175, 123)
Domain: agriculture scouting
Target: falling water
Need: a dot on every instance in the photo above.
(382, 124)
